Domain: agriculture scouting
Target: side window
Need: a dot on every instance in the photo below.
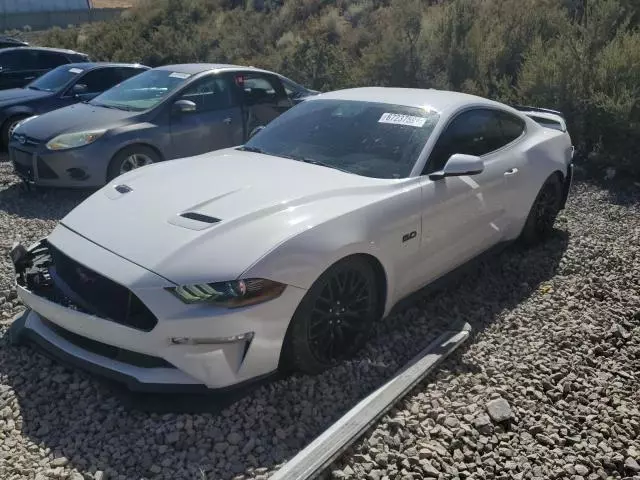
(210, 93)
(474, 132)
(512, 126)
(49, 60)
(99, 80)
(10, 61)
(259, 88)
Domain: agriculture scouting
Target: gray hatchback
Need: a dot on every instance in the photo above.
(164, 113)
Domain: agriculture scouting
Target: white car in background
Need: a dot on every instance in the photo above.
(216, 270)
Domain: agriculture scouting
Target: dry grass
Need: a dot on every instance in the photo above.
(114, 3)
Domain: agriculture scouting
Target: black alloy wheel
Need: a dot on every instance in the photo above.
(335, 317)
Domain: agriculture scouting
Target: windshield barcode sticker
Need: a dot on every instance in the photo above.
(399, 119)
(75, 70)
(179, 75)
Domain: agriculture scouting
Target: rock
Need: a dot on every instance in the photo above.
(544, 439)
(451, 422)
(428, 469)
(631, 464)
(483, 424)
(234, 438)
(581, 470)
(499, 410)
(59, 462)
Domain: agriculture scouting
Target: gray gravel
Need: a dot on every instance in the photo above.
(546, 389)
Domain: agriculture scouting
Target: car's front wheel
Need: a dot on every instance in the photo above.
(544, 212)
(8, 127)
(334, 318)
(130, 158)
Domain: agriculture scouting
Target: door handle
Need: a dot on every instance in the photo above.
(227, 121)
(510, 172)
(29, 78)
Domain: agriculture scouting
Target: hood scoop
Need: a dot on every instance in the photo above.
(199, 217)
(193, 220)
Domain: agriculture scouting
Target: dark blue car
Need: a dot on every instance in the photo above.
(62, 86)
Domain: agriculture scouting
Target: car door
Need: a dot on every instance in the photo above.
(216, 123)
(41, 61)
(464, 216)
(16, 68)
(516, 165)
(263, 96)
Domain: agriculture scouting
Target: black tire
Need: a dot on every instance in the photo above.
(543, 213)
(330, 324)
(117, 162)
(7, 127)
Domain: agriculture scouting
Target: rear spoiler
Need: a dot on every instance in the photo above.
(544, 116)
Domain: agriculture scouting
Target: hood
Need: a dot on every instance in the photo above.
(75, 118)
(20, 95)
(208, 218)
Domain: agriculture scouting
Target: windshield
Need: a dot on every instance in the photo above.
(142, 91)
(371, 139)
(55, 79)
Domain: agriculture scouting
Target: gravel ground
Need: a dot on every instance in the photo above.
(546, 388)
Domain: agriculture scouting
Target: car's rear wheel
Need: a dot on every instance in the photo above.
(131, 158)
(334, 318)
(8, 127)
(543, 213)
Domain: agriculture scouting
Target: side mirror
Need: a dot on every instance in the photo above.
(256, 130)
(458, 165)
(79, 89)
(184, 106)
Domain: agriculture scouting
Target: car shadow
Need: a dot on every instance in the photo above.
(89, 421)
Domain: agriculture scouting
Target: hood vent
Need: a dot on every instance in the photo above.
(199, 217)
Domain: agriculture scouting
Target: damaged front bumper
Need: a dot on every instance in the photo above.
(188, 348)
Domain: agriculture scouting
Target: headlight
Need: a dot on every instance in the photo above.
(232, 294)
(72, 140)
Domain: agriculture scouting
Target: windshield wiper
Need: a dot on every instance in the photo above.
(35, 88)
(313, 162)
(114, 107)
(252, 149)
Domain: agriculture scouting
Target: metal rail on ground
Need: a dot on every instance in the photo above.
(326, 448)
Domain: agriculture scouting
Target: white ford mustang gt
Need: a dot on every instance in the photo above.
(215, 270)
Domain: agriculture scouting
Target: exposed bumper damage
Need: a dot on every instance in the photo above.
(186, 348)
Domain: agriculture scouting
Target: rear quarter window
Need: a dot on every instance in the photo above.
(512, 126)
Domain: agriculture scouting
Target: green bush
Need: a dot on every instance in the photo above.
(579, 56)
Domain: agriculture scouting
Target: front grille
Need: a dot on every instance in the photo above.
(100, 295)
(108, 351)
(24, 140)
(44, 170)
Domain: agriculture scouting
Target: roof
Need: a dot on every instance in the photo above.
(27, 6)
(49, 49)
(92, 65)
(195, 68)
(439, 100)
(12, 40)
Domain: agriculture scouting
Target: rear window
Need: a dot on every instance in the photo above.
(371, 139)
